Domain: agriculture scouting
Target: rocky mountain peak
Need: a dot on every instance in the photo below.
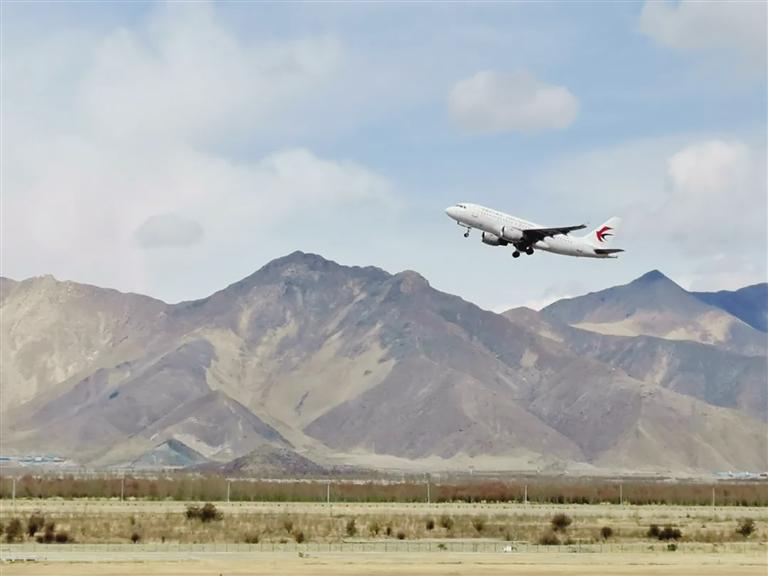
(411, 281)
(298, 257)
(654, 276)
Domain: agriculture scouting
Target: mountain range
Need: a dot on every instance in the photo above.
(307, 365)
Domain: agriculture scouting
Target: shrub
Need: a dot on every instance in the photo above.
(653, 531)
(560, 522)
(35, 524)
(442, 546)
(388, 530)
(606, 532)
(446, 522)
(288, 525)
(351, 527)
(205, 514)
(193, 512)
(430, 524)
(251, 538)
(135, 537)
(400, 535)
(210, 512)
(478, 524)
(671, 546)
(549, 539)
(62, 537)
(746, 527)
(14, 530)
(298, 536)
(670, 533)
(374, 528)
(48, 535)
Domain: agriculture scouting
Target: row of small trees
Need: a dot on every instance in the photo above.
(186, 487)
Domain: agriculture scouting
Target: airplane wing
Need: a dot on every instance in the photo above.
(533, 235)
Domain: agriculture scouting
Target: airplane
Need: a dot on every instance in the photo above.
(501, 229)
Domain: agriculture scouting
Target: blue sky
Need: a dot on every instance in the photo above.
(172, 149)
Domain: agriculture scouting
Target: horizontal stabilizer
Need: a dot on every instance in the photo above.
(603, 251)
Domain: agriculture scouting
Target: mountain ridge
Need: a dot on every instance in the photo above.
(354, 365)
(654, 305)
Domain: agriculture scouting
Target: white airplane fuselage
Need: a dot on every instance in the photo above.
(501, 229)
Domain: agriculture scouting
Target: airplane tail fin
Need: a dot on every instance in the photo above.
(602, 236)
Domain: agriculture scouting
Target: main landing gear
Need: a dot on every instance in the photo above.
(466, 234)
(516, 253)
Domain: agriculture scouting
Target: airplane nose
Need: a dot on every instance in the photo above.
(451, 211)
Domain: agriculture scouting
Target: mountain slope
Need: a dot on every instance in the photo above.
(653, 305)
(52, 331)
(749, 304)
(169, 454)
(349, 365)
(268, 461)
(709, 373)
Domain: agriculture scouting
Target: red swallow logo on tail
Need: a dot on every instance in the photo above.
(603, 232)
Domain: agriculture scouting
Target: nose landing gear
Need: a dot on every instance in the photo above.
(466, 234)
(529, 251)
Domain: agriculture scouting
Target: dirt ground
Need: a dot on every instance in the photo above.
(280, 564)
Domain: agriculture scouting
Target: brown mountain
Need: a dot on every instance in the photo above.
(712, 374)
(653, 305)
(339, 365)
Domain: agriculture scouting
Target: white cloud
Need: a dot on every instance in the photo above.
(492, 101)
(716, 197)
(724, 271)
(693, 207)
(185, 76)
(699, 192)
(170, 229)
(135, 157)
(733, 28)
(540, 303)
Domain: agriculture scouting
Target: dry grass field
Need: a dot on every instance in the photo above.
(112, 521)
(387, 539)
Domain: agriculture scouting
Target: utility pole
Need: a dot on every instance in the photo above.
(525, 496)
(621, 494)
(228, 488)
(428, 498)
(713, 496)
(13, 493)
(122, 487)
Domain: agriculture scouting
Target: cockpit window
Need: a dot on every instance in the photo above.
(461, 206)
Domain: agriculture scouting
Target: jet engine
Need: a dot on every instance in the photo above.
(493, 240)
(510, 233)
